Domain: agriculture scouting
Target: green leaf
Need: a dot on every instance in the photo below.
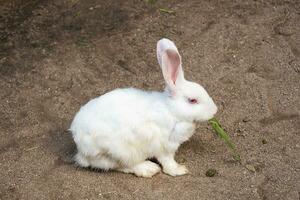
(221, 132)
(224, 136)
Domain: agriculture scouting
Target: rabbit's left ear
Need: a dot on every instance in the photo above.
(170, 62)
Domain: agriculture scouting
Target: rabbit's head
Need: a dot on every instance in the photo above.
(186, 99)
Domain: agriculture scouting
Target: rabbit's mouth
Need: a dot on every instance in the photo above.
(208, 113)
(212, 111)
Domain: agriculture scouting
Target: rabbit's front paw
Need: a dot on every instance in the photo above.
(176, 170)
(146, 169)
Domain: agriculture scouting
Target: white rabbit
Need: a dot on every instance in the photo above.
(121, 129)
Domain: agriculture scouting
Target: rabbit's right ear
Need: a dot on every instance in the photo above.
(170, 62)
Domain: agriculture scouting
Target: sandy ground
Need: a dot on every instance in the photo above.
(56, 55)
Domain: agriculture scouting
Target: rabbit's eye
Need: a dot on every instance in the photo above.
(192, 101)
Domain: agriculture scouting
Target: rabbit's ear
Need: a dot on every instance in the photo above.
(170, 62)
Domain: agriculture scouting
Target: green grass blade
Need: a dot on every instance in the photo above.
(221, 133)
(163, 10)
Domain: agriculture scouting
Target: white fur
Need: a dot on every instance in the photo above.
(121, 129)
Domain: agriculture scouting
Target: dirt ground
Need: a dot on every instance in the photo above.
(56, 55)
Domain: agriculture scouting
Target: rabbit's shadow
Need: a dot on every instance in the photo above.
(61, 144)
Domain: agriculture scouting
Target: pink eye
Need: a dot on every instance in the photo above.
(192, 101)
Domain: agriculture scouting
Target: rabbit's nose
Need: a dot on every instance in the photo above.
(214, 110)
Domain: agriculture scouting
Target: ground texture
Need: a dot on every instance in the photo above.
(56, 55)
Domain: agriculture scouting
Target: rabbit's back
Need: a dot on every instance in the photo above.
(119, 109)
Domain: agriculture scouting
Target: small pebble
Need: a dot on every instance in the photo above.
(264, 141)
(211, 172)
(246, 119)
(250, 168)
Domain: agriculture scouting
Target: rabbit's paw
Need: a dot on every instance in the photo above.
(145, 169)
(176, 170)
